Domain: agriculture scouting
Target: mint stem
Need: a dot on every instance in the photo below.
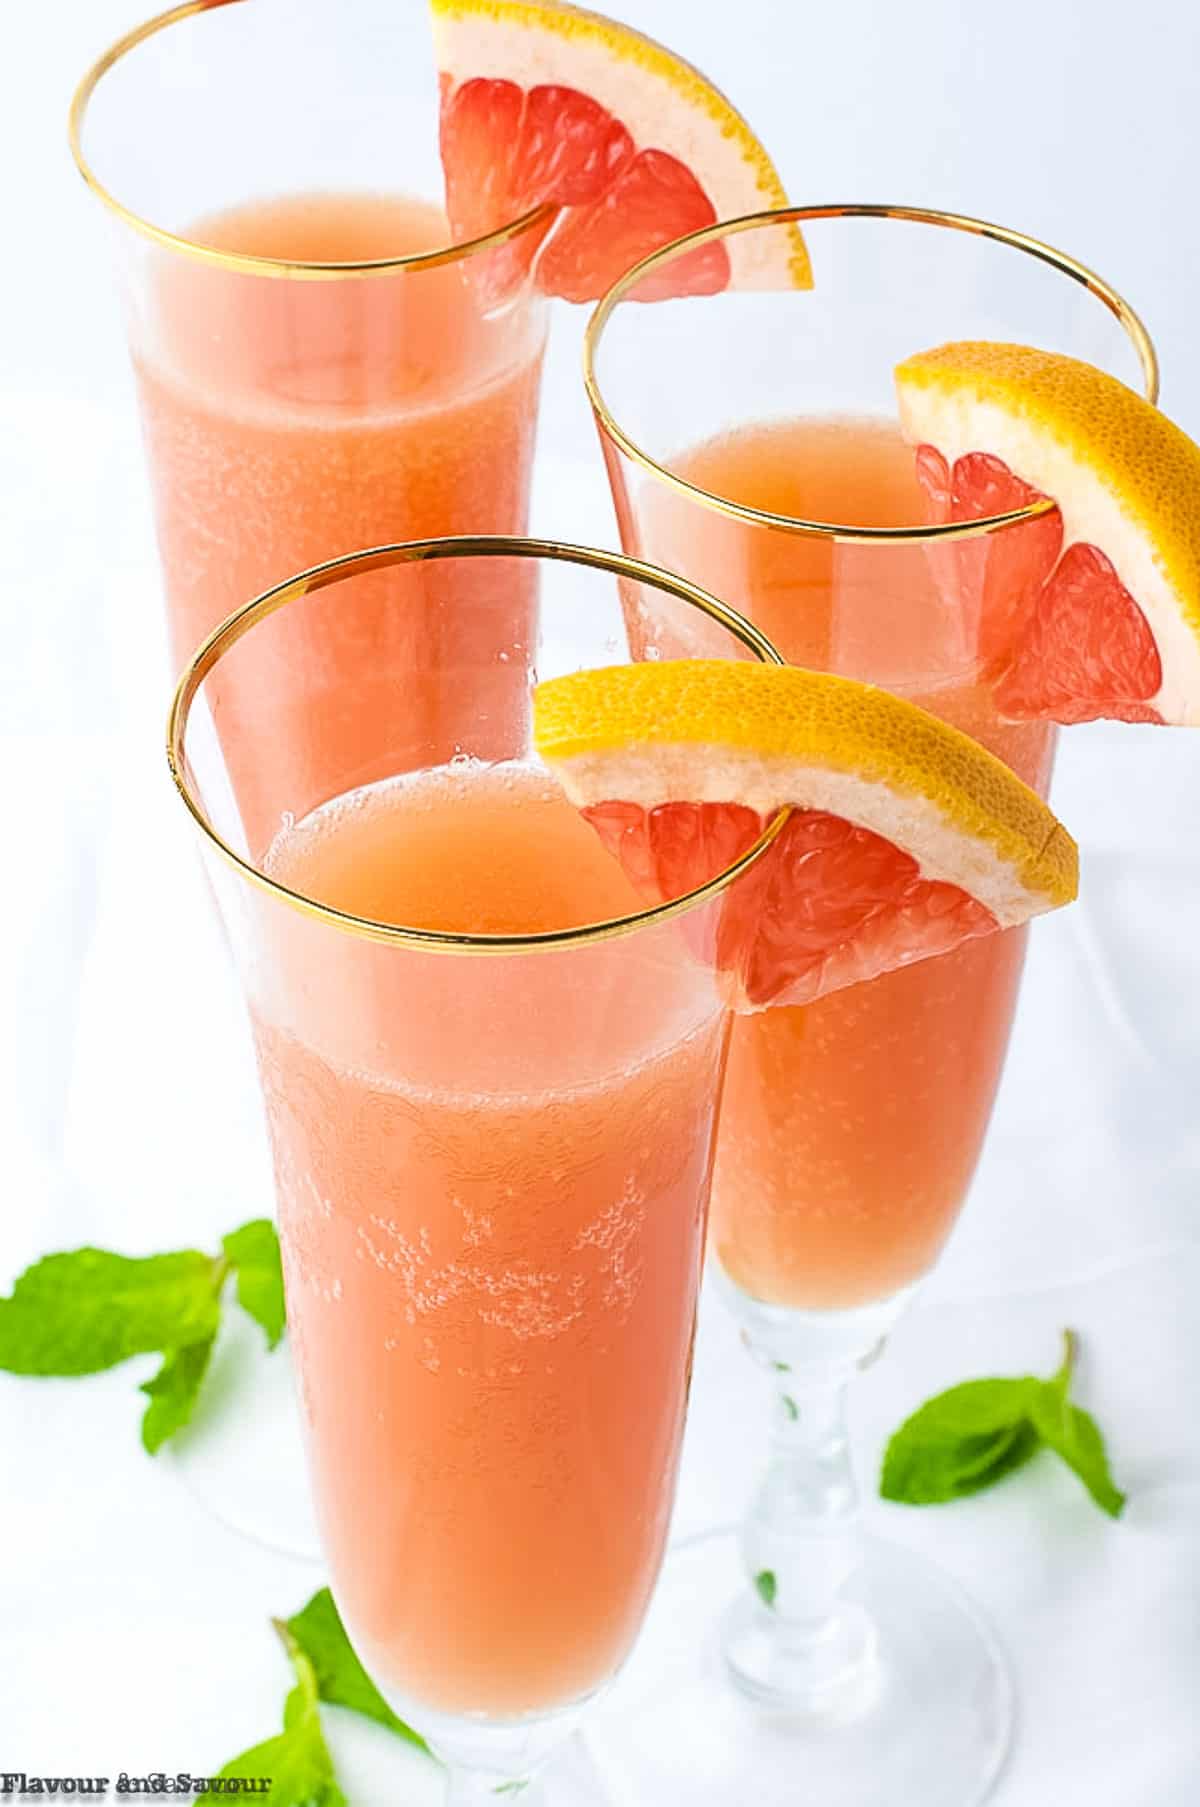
(1062, 1380)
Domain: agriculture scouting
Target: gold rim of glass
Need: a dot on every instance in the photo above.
(319, 577)
(245, 261)
(1116, 304)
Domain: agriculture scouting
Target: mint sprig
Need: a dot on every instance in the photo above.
(971, 1436)
(325, 1666)
(296, 1761)
(88, 1309)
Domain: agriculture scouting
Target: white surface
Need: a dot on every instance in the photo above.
(133, 1628)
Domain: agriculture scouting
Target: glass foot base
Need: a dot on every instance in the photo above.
(920, 1710)
(831, 1673)
(242, 1456)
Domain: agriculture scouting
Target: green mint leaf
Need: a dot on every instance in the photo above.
(296, 1760)
(80, 1312)
(173, 1392)
(1074, 1435)
(974, 1408)
(959, 1442)
(317, 1631)
(765, 1586)
(932, 1476)
(87, 1309)
(920, 1471)
(971, 1436)
(253, 1253)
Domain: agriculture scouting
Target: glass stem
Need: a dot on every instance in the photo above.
(800, 1540)
(796, 1640)
(501, 1761)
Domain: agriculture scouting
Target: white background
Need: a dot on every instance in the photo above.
(133, 1625)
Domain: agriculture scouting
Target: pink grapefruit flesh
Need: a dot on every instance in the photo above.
(831, 904)
(506, 150)
(1060, 633)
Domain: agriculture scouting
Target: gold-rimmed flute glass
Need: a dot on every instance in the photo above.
(491, 1079)
(752, 443)
(318, 367)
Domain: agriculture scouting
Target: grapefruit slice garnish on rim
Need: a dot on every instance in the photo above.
(1093, 608)
(905, 837)
(543, 102)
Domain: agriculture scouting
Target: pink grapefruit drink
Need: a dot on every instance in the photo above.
(851, 1126)
(288, 421)
(492, 1175)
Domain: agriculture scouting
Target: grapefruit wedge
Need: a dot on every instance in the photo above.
(904, 836)
(544, 103)
(1093, 608)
